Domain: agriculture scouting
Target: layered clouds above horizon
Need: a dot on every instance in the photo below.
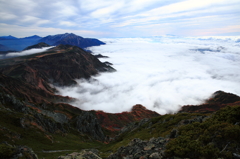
(161, 73)
(122, 18)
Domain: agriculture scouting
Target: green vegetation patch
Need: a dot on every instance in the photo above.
(218, 136)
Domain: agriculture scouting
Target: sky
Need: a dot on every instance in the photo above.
(120, 18)
(161, 73)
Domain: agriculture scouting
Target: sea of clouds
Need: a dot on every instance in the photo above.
(161, 73)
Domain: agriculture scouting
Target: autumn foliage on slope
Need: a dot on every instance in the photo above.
(218, 100)
(114, 122)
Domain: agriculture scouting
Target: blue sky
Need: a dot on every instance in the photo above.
(120, 18)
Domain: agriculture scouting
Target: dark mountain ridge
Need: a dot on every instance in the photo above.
(71, 39)
(37, 46)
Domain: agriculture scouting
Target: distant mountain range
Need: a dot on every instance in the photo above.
(19, 44)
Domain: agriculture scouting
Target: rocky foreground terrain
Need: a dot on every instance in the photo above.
(38, 123)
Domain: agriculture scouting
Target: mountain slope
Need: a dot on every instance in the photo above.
(59, 66)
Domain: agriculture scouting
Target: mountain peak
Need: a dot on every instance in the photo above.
(39, 45)
(71, 39)
(8, 37)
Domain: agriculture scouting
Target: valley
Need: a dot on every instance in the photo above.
(39, 122)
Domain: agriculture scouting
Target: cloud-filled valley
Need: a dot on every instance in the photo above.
(161, 73)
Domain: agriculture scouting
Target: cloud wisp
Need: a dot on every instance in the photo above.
(160, 73)
(26, 52)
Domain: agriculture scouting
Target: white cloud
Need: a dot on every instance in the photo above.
(64, 9)
(68, 23)
(107, 11)
(7, 16)
(217, 31)
(27, 52)
(159, 73)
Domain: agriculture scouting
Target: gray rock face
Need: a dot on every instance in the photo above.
(88, 123)
(16, 152)
(137, 148)
(6, 99)
(48, 124)
(58, 117)
(84, 154)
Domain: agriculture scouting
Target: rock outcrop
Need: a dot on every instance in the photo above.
(137, 148)
(84, 154)
(89, 124)
(16, 152)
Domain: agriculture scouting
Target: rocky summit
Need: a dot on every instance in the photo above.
(38, 123)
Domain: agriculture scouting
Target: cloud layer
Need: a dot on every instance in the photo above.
(122, 18)
(161, 73)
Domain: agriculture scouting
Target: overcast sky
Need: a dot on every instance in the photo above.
(120, 18)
